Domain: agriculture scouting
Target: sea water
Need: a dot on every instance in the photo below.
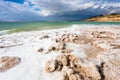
(10, 27)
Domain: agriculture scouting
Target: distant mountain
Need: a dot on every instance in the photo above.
(105, 18)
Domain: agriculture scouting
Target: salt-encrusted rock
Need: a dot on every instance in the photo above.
(63, 59)
(63, 76)
(111, 69)
(51, 65)
(93, 51)
(74, 38)
(40, 50)
(60, 46)
(52, 48)
(106, 34)
(74, 68)
(74, 77)
(103, 34)
(82, 40)
(44, 37)
(68, 70)
(90, 70)
(69, 74)
(7, 62)
(66, 51)
(115, 45)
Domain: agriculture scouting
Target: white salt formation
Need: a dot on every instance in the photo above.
(91, 53)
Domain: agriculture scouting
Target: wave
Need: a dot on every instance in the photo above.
(3, 32)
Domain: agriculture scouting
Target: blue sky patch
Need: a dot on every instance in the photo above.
(16, 1)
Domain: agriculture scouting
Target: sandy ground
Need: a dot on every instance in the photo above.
(61, 54)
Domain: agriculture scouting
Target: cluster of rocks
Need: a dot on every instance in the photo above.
(7, 62)
(87, 37)
(95, 43)
(72, 68)
(61, 48)
(74, 38)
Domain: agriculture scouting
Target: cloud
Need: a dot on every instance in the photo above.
(10, 11)
(60, 6)
(52, 10)
(51, 7)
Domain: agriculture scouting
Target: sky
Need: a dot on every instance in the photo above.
(55, 10)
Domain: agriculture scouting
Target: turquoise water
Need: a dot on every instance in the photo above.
(28, 26)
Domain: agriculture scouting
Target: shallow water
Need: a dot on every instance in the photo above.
(30, 26)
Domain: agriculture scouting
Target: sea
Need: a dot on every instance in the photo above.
(11, 27)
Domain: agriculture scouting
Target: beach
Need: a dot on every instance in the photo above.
(74, 53)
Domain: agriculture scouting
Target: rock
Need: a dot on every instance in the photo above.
(74, 77)
(64, 76)
(40, 50)
(115, 45)
(82, 40)
(63, 59)
(90, 70)
(103, 34)
(44, 37)
(73, 67)
(7, 62)
(93, 51)
(70, 72)
(51, 65)
(66, 51)
(111, 69)
(60, 46)
(52, 48)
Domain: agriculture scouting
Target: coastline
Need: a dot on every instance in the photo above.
(34, 50)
